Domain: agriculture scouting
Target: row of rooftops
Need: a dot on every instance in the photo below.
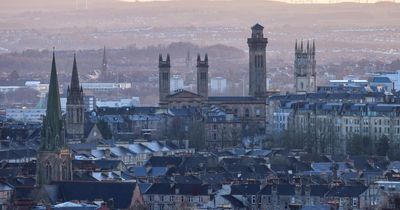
(343, 108)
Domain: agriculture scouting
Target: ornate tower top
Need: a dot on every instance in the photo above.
(202, 63)
(74, 92)
(162, 63)
(75, 77)
(52, 123)
(257, 31)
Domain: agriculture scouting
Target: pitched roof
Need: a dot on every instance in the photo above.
(346, 191)
(257, 26)
(120, 192)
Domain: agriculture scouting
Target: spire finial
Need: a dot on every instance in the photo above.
(168, 58)
(301, 47)
(313, 47)
(75, 76)
(198, 57)
(206, 58)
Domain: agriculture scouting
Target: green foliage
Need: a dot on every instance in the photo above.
(104, 129)
(382, 146)
(360, 145)
(196, 135)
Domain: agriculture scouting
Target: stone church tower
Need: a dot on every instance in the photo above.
(257, 62)
(164, 72)
(54, 160)
(202, 76)
(75, 107)
(304, 68)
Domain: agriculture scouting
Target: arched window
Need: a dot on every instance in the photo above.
(247, 113)
(48, 171)
(64, 172)
(302, 85)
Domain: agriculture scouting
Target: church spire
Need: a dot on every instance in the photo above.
(75, 77)
(104, 64)
(52, 123)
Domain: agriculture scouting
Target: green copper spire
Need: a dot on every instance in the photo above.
(52, 124)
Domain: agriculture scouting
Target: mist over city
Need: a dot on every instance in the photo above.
(199, 104)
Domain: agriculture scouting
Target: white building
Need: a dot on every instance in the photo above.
(349, 83)
(26, 115)
(394, 77)
(134, 101)
(106, 86)
(176, 83)
(218, 85)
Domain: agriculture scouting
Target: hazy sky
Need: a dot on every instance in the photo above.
(298, 1)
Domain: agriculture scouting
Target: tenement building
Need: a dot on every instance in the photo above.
(248, 110)
(327, 126)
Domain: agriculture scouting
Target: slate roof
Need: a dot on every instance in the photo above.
(164, 161)
(120, 192)
(236, 203)
(245, 189)
(235, 99)
(102, 164)
(180, 189)
(346, 191)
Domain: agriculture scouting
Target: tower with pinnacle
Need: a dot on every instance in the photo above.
(304, 68)
(104, 75)
(257, 61)
(75, 107)
(202, 76)
(164, 72)
(54, 160)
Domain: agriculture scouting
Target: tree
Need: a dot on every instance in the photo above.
(382, 146)
(196, 134)
(359, 145)
(104, 129)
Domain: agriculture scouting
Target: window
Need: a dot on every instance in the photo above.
(48, 171)
(258, 112)
(247, 113)
(253, 199)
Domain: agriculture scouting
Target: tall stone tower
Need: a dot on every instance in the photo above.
(75, 107)
(105, 75)
(257, 61)
(54, 160)
(164, 71)
(304, 68)
(202, 76)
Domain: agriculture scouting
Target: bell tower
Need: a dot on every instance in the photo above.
(304, 68)
(202, 76)
(257, 61)
(164, 72)
(75, 107)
